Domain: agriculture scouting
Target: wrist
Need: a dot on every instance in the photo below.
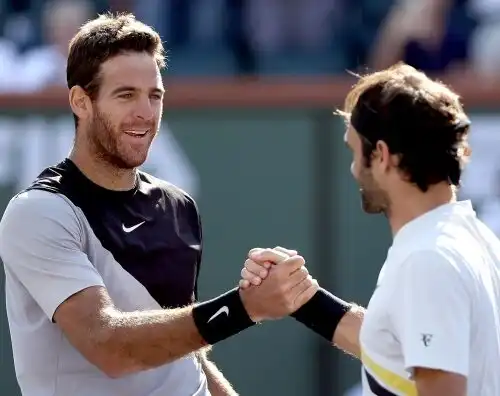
(254, 316)
(221, 317)
(322, 313)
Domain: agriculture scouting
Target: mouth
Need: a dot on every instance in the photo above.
(137, 133)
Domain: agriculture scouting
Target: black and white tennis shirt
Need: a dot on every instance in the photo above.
(64, 234)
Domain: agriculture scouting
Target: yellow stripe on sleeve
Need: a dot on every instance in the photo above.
(390, 379)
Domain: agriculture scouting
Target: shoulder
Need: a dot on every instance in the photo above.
(436, 267)
(39, 202)
(36, 211)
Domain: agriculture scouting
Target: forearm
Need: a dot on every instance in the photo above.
(335, 320)
(138, 341)
(346, 335)
(218, 385)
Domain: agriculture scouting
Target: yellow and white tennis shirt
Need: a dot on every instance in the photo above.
(436, 305)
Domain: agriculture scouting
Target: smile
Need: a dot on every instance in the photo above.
(137, 133)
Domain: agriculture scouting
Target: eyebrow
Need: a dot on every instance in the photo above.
(130, 88)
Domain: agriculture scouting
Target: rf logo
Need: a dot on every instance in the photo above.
(426, 339)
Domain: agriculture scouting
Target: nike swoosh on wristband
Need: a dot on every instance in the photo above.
(222, 310)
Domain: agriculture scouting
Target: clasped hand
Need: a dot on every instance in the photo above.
(275, 283)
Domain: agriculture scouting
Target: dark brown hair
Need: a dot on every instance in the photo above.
(419, 119)
(103, 38)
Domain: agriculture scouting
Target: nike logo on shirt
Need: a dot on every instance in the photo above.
(130, 229)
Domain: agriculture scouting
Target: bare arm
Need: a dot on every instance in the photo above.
(437, 382)
(346, 336)
(318, 313)
(218, 385)
(124, 342)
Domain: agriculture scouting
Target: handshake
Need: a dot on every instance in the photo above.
(275, 283)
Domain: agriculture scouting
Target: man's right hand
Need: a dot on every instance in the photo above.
(256, 269)
(286, 288)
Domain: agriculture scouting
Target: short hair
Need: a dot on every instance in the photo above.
(103, 38)
(419, 119)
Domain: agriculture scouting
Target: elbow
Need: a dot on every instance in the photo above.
(111, 357)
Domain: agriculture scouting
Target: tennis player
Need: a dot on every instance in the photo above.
(432, 326)
(102, 260)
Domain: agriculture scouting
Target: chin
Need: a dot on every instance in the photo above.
(131, 162)
(136, 163)
(369, 207)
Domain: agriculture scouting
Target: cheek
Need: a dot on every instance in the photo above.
(158, 111)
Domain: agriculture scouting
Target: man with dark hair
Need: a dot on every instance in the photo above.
(431, 327)
(102, 260)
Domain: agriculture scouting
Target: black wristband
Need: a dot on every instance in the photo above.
(221, 317)
(322, 313)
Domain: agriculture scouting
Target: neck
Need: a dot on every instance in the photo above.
(103, 173)
(414, 203)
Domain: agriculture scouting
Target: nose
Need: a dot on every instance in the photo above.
(143, 109)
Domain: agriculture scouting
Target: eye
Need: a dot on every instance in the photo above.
(127, 95)
(156, 97)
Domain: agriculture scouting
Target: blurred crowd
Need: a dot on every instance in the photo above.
(255, 37)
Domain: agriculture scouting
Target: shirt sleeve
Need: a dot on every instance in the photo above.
(41, 246)
(432, 316)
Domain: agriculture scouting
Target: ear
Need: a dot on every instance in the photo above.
(382, 155)
(80, 102)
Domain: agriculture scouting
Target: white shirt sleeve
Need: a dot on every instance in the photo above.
(432, 315)
(41, 245)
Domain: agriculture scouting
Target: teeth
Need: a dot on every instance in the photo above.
(136, 133)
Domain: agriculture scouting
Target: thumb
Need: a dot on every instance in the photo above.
(271, 255)
(286, 251)
(255, 250)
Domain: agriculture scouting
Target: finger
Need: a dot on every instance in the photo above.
(244, 284)
(271, 255)
(292, 264)
(297, 277)
(256, 269)
(307, 294)
(250, 277)
(286, 251)
(255, 250)
(299, 288)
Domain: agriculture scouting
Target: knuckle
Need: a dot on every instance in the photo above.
(254, 251)
(283, 250)
(300, 260)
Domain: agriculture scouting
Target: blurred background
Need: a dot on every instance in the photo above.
(248, 130)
